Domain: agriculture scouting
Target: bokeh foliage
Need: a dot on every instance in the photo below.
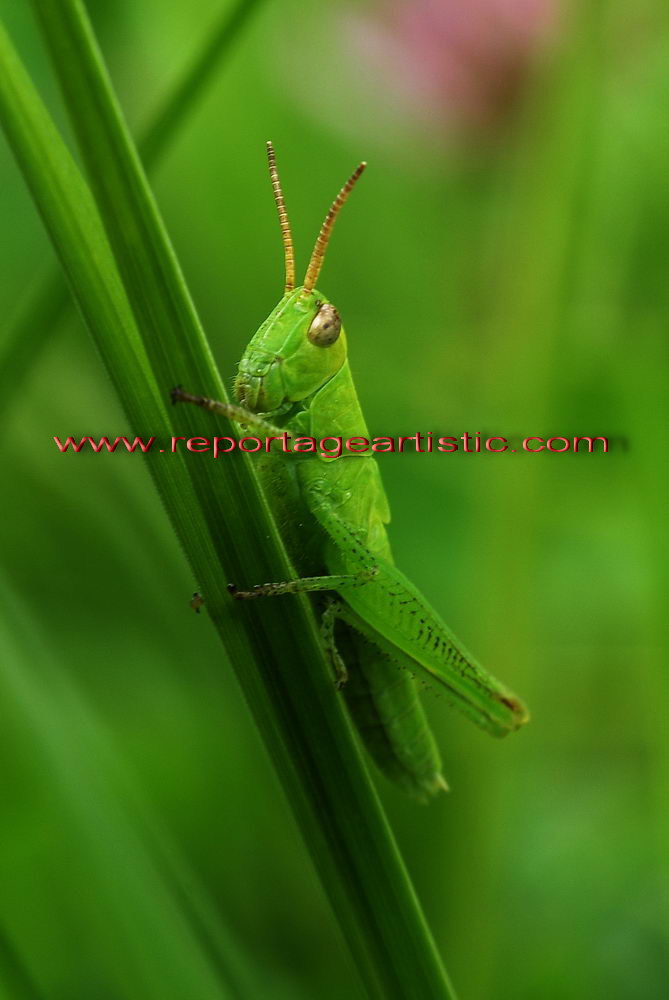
(512, 282)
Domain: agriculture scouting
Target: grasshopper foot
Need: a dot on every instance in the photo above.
(196, 602)
(341, 673)
(176, 394)
(260, 590)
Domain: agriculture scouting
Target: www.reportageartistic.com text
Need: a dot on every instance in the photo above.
(335, 447)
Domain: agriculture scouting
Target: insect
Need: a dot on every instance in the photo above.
(332, 511)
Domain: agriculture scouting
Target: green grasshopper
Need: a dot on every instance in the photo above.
(333, 512)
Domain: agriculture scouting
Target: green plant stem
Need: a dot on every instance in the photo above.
(140, 909)
(177, 104)
(30, 330)
(149, 336)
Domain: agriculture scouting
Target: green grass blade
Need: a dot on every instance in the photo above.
(107, 878)
(177, 104)
(217, 511)
(16, 980)
(37, 319)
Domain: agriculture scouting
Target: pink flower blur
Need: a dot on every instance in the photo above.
(460, 61)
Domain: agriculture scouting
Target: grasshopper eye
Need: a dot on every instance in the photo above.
(325, 326)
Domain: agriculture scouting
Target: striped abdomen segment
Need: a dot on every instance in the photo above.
(382, 700)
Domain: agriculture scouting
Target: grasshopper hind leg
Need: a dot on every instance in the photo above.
(383, 703)
(328, 619)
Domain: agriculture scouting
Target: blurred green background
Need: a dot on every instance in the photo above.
(501, 268)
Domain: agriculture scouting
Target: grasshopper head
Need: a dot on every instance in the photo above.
(299, 347)
(301, 344)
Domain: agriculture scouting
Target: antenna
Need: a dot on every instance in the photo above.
(288, 251)
(323, 238)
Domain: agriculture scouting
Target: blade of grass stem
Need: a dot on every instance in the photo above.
(139, 933)
(15, 976)
(41, 314)
(218, 512)
(184, 94)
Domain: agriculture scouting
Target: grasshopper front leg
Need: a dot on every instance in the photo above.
(230, 410)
